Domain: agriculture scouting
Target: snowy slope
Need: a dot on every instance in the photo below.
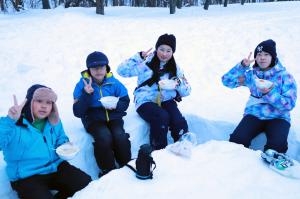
(217, 169)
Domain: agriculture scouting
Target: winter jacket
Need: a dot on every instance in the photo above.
(136, 66)
(275, 104)
(90, 109)
(28, 151)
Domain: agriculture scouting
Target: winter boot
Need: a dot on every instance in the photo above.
(278, 160)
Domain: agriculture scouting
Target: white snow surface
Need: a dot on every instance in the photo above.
(50, 47)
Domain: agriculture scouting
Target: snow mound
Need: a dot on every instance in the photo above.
(217, 169)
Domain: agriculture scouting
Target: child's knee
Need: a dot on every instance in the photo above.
(240, 139)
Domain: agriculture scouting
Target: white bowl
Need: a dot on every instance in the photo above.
(263, 84)
(109, 101)
(67, 151)
(167, 84)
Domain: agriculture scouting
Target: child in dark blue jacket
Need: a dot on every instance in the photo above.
(29, 136)
(103, 122)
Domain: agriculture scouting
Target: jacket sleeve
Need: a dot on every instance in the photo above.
(7, 131)
(184, 88)
(61, 135)
(82, 100)
(124, 100)
(284, 96)
(231, 78)
(129, 67)
(123, 104)
(82, 104)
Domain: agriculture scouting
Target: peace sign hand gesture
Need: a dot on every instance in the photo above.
(247, 61)
(15, 111)
(146, 54)
(88, 86)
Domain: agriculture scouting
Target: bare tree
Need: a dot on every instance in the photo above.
(172, 6)
(137, 3)
(2, 5)
(179, 4)
(151, 3)
(45, 4)
(100, 7)
(206, 4)
(17, 4)
(225, 3)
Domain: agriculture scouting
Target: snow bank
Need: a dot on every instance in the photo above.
(217, 169)
(205, 130)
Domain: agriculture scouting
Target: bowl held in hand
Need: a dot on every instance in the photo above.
(109, 102)
(263, 84)
(167, 84)
(67, 151)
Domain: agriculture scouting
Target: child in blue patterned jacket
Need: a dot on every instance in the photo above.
(29, 135)
(273, 95)
(154, 103)
(103, 120)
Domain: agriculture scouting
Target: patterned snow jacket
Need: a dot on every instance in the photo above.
(277, 103)
(136, 66)
(28, 151)
(90, 109)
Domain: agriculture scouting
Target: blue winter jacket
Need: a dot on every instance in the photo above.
(28, 151)
(277, 103)
(90, 109)
(136, 66)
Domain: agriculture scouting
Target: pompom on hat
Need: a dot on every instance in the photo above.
(167, 39)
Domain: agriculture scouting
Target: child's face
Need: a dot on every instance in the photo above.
(164, 53)
(41, 108)
(98, 73)
(263, 59)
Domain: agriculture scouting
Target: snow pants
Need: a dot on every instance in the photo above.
(67, 180)
(276, 131)
(111, 144)
(160, 120)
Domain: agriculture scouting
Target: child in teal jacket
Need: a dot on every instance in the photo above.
(29, 135)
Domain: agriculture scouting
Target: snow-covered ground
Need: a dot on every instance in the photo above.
(50, 47)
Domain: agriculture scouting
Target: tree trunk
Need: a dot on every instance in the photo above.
(242, 2)
(206, 4)
(46, 4)
(15, 5)
(150, 3)
(172, 6)
(225, 3)
(179, 4)
(2, 5)
(100, 7)
(137, 3)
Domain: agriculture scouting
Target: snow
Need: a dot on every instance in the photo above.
(50, 47)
